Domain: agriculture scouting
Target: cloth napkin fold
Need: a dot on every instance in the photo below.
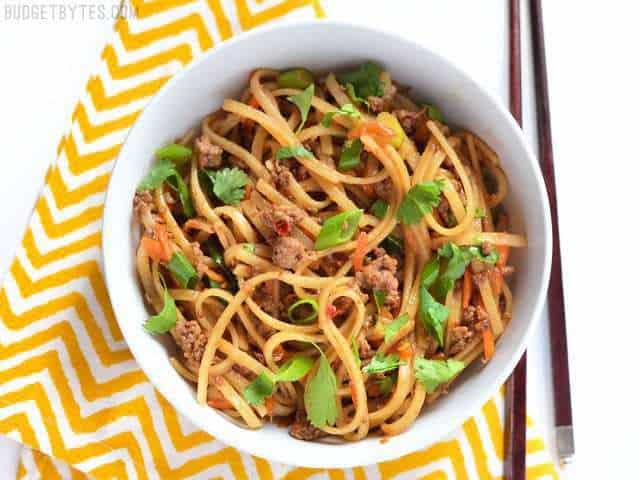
(70, 390)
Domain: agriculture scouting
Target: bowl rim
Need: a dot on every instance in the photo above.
(392, 450)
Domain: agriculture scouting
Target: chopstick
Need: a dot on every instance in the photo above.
(557, 322)
(515, 426)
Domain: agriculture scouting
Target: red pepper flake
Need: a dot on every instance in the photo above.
(283, 228)
(331, 311)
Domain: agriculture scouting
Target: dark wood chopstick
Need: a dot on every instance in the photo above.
(557, 322)
(515, 426)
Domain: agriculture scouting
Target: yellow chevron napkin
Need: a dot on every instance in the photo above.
(69, 387)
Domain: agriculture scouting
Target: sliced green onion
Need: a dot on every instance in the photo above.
(379, 208)
(379, 297)
(393, 245)
(184, 272)
(304, 320)
(178, 184)
(350, 155)
(217, 258)
(338, 229)
(212, 283)
(434, 113)
(174, 152)
(295, 78)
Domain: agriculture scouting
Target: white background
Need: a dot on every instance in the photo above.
(595, 82)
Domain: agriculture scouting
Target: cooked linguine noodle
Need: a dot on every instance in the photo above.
(326, 253)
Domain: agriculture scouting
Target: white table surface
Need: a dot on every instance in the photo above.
(594, 80)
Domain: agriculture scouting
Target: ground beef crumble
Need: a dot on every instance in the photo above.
(380, 274)
(192, 341)
(209, 155)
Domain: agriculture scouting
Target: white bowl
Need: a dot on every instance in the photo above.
(327, 45)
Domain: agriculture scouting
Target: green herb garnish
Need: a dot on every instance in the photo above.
(432, 373)
(365, 81)
(320, 395)
(264, 384)
(383, 363)
(338, 229)
(394, 327)
(379, 208)
(293, 151)
(182, 270)
(178, 154)
(166, 319)
(303, 101)
(228, 184)
(350, 155)
(309, 318)
(419, 201)
(348, 110)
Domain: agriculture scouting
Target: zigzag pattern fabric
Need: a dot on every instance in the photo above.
(69, 388)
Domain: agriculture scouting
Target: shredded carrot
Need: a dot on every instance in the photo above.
(220, 403)
(466, 288)
(214, 276)
(152, 247)
(158, 249)
(358, 253)
(163, 237)
(381, 134)
(270, 404)
(496, 277)
(405, 350)
(488, 343)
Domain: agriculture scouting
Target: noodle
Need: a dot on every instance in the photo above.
(236, 243)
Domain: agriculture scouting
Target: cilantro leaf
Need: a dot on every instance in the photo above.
(294, 369)
(365, 80)
(303, 101)
(386, 385)
(348, 110)
(166, 319)
(434, 113)
(459, 258)
(431, 313)
(351, 92)
(228, 184)
(379, 208)
(432, 373)
(261, 388)
(419, 201)
(350, 155)
(293, 151)
(320, 396)
(264, 384)
(394, 327)
(382, 363)
(162, 170)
